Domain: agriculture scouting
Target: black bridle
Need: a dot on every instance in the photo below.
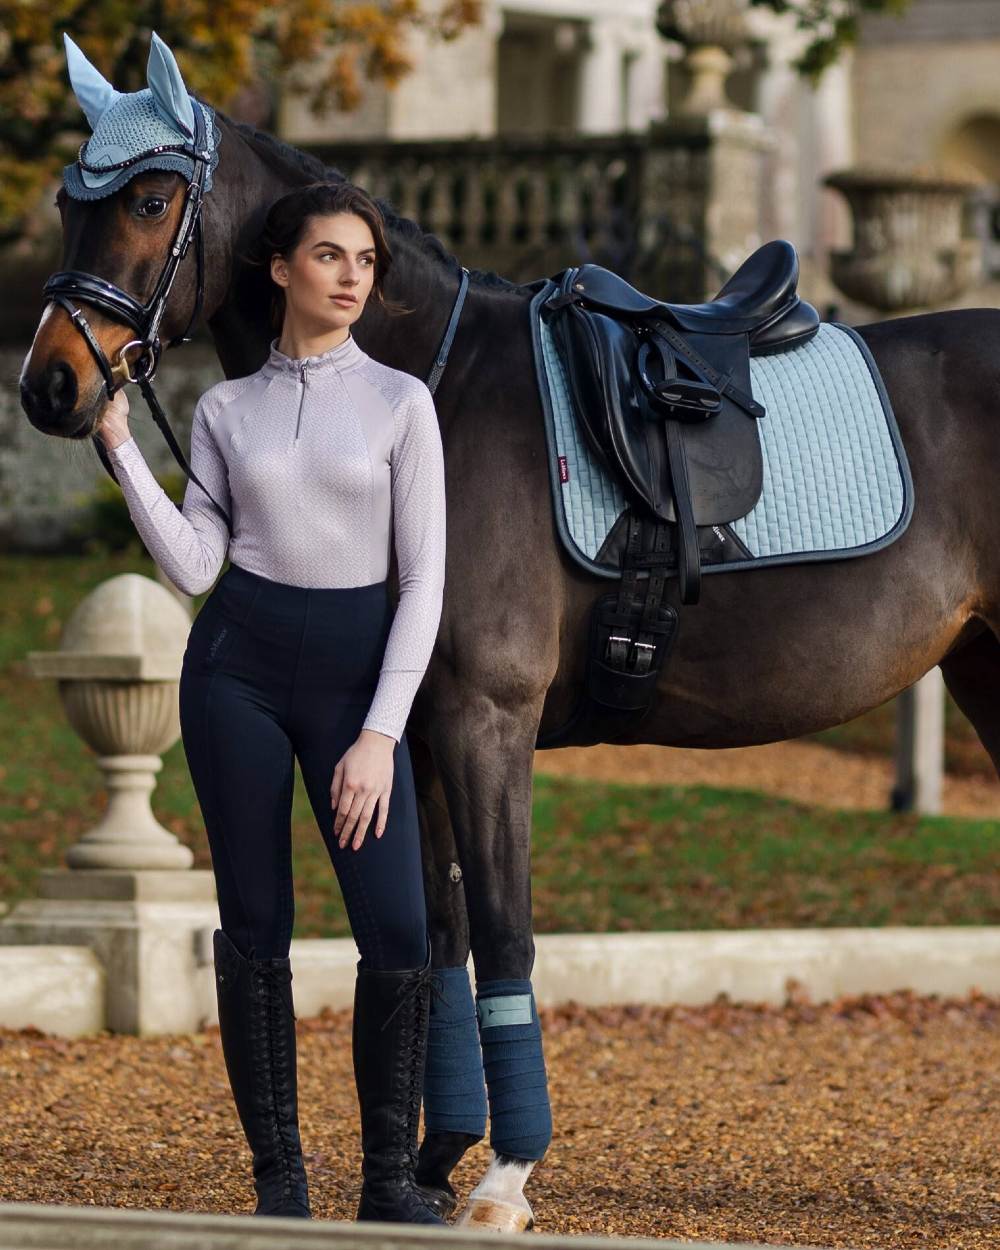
(70, 284)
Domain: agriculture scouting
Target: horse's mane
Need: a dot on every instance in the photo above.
(277, 153)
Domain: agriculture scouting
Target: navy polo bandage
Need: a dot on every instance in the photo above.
(511, 1039)
(454, 1093)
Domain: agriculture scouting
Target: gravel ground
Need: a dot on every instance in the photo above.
(806, 771)
(867, 1122)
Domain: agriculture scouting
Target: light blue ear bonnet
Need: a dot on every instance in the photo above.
(128, 124)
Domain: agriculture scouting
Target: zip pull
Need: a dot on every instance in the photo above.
(298, 419)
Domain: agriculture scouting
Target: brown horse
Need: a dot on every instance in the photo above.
(766, 655)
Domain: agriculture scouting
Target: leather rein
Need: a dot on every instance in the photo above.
(73, 284)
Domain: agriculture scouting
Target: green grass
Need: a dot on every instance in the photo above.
(613, 857)
(605, 857)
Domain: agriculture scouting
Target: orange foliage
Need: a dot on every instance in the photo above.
(222, 46)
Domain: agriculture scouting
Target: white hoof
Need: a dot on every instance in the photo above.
(492, 1215)
(497, 1204)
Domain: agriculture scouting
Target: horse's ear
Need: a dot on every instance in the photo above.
(94, 93)
(170, 96)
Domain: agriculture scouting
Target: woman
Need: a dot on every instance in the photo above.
(322, 458)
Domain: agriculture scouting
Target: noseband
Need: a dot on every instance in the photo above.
(69, 284)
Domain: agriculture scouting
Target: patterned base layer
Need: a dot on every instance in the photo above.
(836, 479)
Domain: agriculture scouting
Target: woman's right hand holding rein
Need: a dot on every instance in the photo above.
(113, 427)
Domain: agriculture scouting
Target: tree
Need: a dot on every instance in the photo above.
(833, 24)
(221, 46)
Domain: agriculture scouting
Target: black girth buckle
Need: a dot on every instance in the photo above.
(627, 653)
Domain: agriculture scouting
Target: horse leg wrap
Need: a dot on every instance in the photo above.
(454, 1094)
(511, 1037)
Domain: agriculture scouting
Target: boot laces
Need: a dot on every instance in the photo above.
(412, 986)
(274, 979)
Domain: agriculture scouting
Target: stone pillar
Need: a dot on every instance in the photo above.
(831, 147)
(782, 98)
(701, 199)
(601, 79)
(129, 893)
(920, 746)
(646, 100)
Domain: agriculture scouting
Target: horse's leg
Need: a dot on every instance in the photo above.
(454, 1092)
(484, 749)
(972, 675)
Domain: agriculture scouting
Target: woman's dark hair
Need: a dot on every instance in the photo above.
(286, 222)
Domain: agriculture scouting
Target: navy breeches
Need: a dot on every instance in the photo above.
(274, 673)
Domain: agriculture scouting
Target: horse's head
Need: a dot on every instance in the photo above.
(130, 205)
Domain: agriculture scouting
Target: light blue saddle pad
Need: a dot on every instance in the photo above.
(836, 479)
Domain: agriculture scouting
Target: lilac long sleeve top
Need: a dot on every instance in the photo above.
(322, 462)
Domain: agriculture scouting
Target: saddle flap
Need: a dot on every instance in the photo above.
(625, 427)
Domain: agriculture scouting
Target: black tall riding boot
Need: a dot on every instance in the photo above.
(391, 1015)
(257, 1024)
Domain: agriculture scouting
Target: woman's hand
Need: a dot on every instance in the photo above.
(362, 778)
(114, 420)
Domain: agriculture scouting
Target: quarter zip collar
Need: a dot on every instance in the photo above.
(342, 358)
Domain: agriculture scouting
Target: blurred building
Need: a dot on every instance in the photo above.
(541, 67)
(919, 92)
(927, 92)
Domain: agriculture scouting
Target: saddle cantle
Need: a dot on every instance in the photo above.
(663, 390)
(760, 299)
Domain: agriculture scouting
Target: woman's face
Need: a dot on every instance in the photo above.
(330, 273)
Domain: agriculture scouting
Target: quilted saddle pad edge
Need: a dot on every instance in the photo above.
(761, 561)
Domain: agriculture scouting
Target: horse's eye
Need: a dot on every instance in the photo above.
(151, 206)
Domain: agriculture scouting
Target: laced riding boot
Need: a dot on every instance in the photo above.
(257, 1025)
(389, 1043)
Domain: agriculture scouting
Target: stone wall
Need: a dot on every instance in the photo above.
(899, 126)
(47, 484)
(930, 20)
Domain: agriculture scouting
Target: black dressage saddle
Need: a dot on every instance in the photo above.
(663, 391)
(663, 395)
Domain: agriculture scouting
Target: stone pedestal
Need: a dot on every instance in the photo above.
(142, 926)
(702, 198)
(129, 898)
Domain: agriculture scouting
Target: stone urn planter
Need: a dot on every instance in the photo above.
(909, 250)
(129, 894)
(710, 30)
(117, 667)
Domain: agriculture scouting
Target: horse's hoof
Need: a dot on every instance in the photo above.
(491, 1215)
(444, 1203)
